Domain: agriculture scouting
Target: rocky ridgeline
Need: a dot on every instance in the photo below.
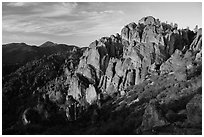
(148, 78)
(113, 63)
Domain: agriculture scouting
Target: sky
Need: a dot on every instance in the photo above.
(84, 22)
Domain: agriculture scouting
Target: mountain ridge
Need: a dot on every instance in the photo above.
(15, 55)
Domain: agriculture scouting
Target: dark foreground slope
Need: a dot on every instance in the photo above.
(148, 80)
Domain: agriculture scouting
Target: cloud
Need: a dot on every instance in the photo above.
(40, 9)
(42, 20)
(20, 4)
(56, 9)
(29, 25)
(97, 23)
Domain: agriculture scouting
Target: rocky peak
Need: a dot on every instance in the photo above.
(48, 44)
(149, 20)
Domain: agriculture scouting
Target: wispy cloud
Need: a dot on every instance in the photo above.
(20, 4)
(42, 21)
(40, 9)
(55, 10)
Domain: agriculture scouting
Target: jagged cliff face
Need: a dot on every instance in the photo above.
(113, 63)
(146, 70)
(94, 64)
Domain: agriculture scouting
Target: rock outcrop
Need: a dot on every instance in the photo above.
(144, 47)
(196, 45)
(194, 110)
(152, 117)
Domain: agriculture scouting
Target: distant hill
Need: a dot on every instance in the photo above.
(48, 44)
(15, 55)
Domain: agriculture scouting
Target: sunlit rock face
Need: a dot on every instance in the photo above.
(142, 49)
(91, 94)
(127, 58)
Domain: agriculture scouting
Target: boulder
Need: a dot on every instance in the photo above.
(91, 94)
(174, 63)
(152, 117)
